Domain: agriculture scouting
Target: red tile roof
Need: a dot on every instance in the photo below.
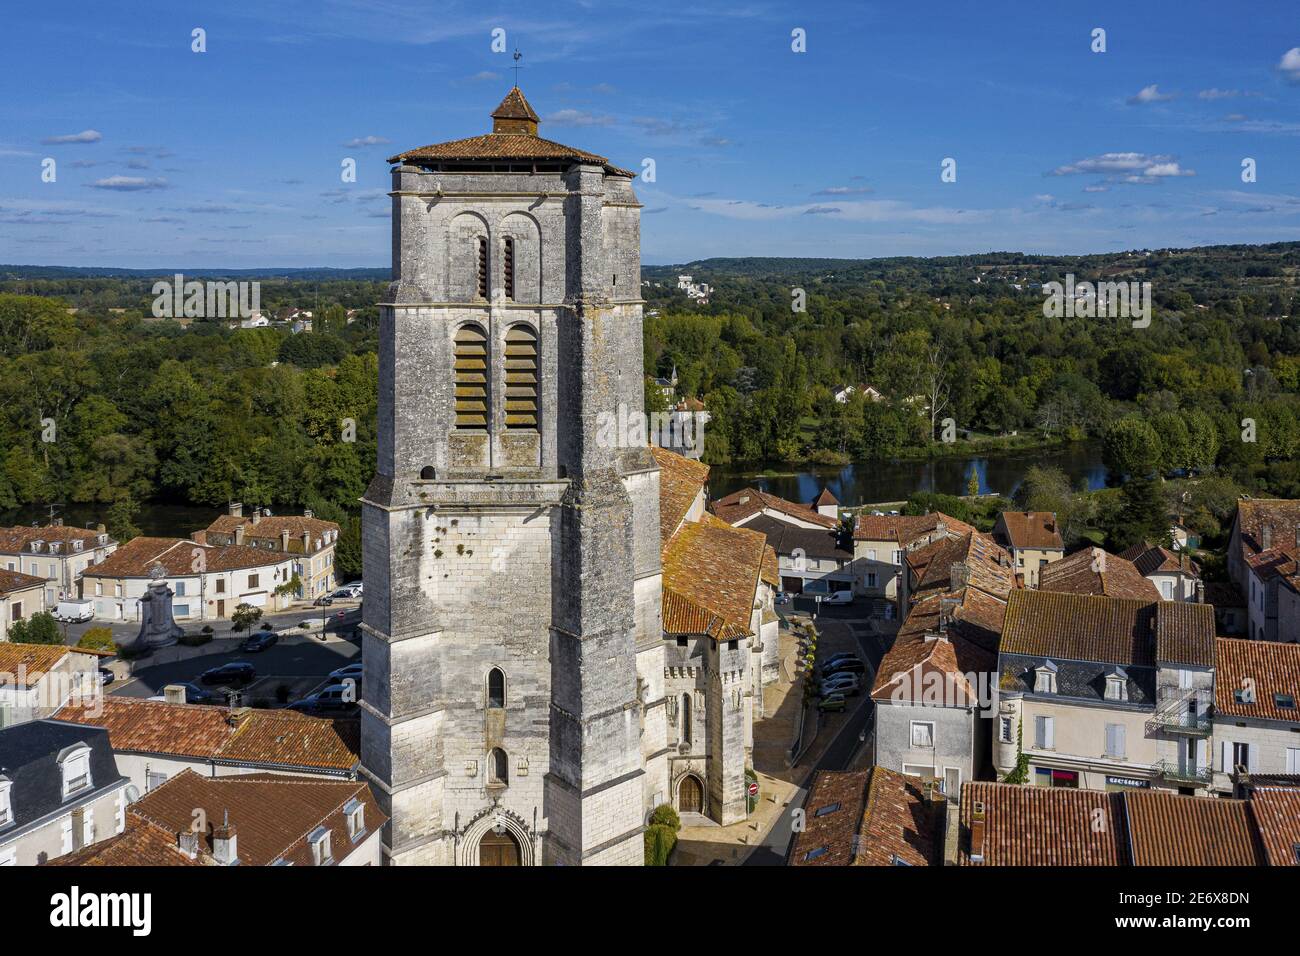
(711, 568)
(1036, 530)
(1277, 815)
(883, 818)
(264, 738)
(141, 844)
(1158, 560)
(1166, 829)
(270, 530)
(1281, 514)
(1095, 571)
(177, 556)
(905, 529)
(1265, 668)
(11, 581)
(30, 662)
(1080, 628)
(1042, 826)
(18, 538)
(742, 504)
(680, 483)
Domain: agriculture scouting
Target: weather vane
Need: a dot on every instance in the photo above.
(518, 56)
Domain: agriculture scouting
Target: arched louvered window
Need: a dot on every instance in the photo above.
(471, 377)
(508, 267)
(521, 377)
(482, 267)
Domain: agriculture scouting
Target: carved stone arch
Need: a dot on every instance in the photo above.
(464, 229)
(529, 253)
(690, 792)
(483, 823)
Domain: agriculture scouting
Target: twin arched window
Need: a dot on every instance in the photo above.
(473, 380)
(482, 265)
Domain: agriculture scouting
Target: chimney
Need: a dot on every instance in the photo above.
(1200, 592)
(958, 575)
(237, 716)
(257, 515)
(284, 540)
(306, 512)
(174, 693)
(235, 509)
(100, 529)
(200, 537)
(58, 522)
(224, 845)
(947, 612)
(187, 841)
(977, 832)
(239, 532)
(1266, 537)
(306, 542)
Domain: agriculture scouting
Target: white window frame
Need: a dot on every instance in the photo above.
(1044, 732)
(912, 734)
(1119, 734)
(320, 846)
(71, 761)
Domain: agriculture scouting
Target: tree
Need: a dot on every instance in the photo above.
(37, 629)
(245, 617)
(973, 482)
(98, 638)
(1131, 447)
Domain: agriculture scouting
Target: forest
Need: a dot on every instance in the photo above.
(101, 404)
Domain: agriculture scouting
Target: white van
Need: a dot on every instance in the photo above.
(839, 597)
(74, 611)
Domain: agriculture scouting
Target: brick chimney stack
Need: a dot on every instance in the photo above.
(225, 846)
(1266, 537)
(235, 509)
(977, 824)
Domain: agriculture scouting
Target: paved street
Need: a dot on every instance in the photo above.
(776, 844)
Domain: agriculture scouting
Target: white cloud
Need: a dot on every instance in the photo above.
(361, 141)
(85, 136)
(578, 118)
(1290, 64)
(128, 184)
(1149, 94)
(1125, 167)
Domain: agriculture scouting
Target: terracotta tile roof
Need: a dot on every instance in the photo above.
(1036, 530)
(818, 544)
(979, 560)
(176, 556)
(711, 567)
(265, 738)
(680, 482)
(515, 106)
(1043, 826)
(31, 662)
(750, 501)
(1277, 815)
(1078, 574)
(771, 570)
(1080, 627)
(1185, 633)
(1281, 514)
(1267, 667)
(906, 529)
(973, 632)
(141, 844)
(825, 498)
(11, 581)
(925, 670)
(272, 815)
(1166, 829)
(18, 538)
(1158, 560)
(270, 529)
(883, 819)
(1274, 563)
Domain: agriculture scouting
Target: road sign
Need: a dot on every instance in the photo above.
(753, 789)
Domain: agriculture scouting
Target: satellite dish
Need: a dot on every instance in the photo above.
(132, 793)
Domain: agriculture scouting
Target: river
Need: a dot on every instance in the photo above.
(869, 482)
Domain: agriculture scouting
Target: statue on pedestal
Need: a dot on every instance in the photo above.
(157, 626)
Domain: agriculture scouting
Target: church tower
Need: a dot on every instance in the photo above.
(510, 536)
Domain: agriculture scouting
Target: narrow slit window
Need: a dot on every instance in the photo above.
(482, 267)
(521, 377)
(508, 268)
(471, 378)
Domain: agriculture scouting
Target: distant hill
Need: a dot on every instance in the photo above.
(89, 272)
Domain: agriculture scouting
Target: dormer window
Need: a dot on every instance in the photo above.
(101, 539)
(36, 546)
(54, 547)
(1116, 683)
(1045, 678)
(355, 811)
(6, 807)
(74, 764)
(320, 847)
(77, 546)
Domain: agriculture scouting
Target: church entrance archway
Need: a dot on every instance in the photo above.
(498, 849)
(690, 795)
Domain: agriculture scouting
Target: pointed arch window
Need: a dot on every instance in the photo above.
(521, 377)
(496, 688)
(471, 377)
(498, 767)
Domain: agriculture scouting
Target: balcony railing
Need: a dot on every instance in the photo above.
(1177, 717)
(1175, 772)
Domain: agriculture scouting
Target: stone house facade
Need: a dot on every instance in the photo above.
(58, 553)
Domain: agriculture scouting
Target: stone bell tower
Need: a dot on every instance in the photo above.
(505, 532)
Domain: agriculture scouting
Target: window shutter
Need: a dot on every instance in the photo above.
(1252, 758)
(521, 377)
(508, 266)
(1292, 760)
(1049, 725)
(482, 268)
(471, 377)
(1225, 757)
(1120, 741)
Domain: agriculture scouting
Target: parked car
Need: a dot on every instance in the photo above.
(74, 611)
(352, 670)
(851, 666)
(234, 674)
(842, 684)
(355, 586)
(325, 600)
(259, 641)
(839, 597)
(335, 699)
(782, 597)
(106, 677)
(841, 656)
(194, 694)
(836, 703)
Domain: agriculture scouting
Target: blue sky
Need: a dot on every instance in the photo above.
(170, 158)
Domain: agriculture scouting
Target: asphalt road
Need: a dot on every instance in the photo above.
(776, 845)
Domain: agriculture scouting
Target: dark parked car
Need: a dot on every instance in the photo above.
(106, 677)
(194, 694)
(234, 674)
(335, 699)
(259, 641)
(850, 666)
